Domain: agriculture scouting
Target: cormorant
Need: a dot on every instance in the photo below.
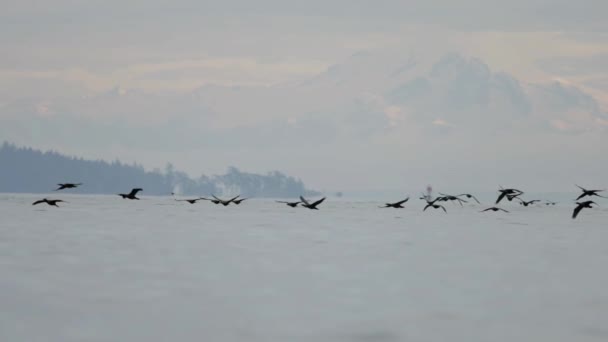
(469, 196)
(509, 193)
(589, 193)
(67, 186)
(396, 205)
(494, 209)
(432, 204)
(525, 204)
(291, 204)
(580, 206)
(309, 205)
(224, 202)
(131, 195)
(49, 202)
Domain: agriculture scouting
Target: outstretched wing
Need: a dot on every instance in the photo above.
(401, 202)
(503, 210)
(442, 207)
(485, 210)
(581, 196)
(500, 197)
(135, 191)
(577, 210)
(38, 202)
(232, 199)
(318, 202)
(304, 200)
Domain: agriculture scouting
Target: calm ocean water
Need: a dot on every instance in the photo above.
(104, 269)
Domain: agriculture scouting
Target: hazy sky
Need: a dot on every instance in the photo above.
(348, 95)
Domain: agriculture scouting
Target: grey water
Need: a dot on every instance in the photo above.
(104, 269)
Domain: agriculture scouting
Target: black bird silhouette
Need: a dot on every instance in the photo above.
(291, 204)
(239, 201)
(131, 195)
(580, 206)
(67, 186)
(191, 201)
(509, 193)
(309, 205)
(469, 196)
(49, 202)
(525, 204)
(589, 193)
(433, 205)
(446, 198)
(223, 202)
(494, 209)
(396, 205)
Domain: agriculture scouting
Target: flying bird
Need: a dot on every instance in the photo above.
(525, 204)
(67, 186)
(509, 193)
(469, 196)
(191, 201)
(225, 203)
(239, 201)
(131, 195)
(580, 206)
(589, 193)
(494, 209)
(433, 205)
(291, 204)
(396, 205)
(49, 202)
(309, 205)
(446, 198)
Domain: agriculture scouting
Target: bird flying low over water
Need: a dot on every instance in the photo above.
(446, 198)
(433, 205)
(191, 201)
(509, 193)
(239, 200)
(291, 204)
(469, 196)
(580, 206)
(589, 193)
(525, 204)
(49, 202)
(131, 195)
(67, 186)
(494, 209)
(309, 205)
(224, 202)
(396, 205)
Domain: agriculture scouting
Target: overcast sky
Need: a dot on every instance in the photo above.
(348, 95)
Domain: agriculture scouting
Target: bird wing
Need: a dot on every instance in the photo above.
(500, 197)
(442, 207)
(485, 210)
(577, 210)
(38, 202)
(581, 196)
(580, 187)
(232, 199)
(216, 198)
(135, 191)
(304, 200)
(318, 202)
(503, 210)
(475, 198)
(426, 207)
(401, 202)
